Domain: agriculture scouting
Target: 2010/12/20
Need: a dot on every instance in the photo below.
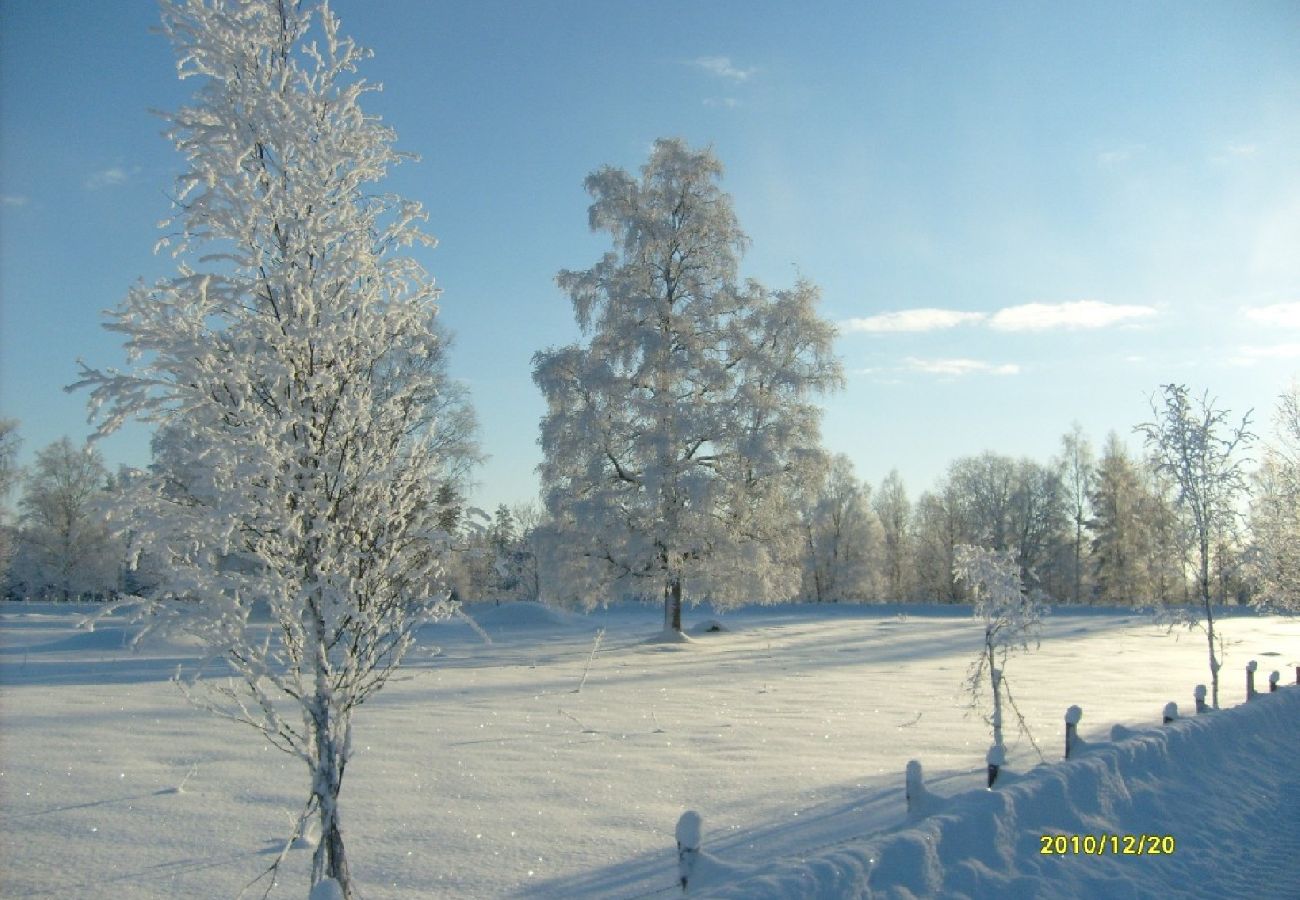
(1101, 844)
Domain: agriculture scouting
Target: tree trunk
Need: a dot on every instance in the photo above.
(995, 680)
(673, 604)
(330, 860)
(1209, 621)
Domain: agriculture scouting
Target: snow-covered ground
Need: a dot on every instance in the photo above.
(481, 772)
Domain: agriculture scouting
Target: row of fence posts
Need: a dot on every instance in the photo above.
(919, 798)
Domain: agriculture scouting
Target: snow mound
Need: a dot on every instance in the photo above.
(328, 889)
(521, 615)
(101, 638)
(1223, 787)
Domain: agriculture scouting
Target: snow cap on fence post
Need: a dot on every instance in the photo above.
(1072, 717)
(1171, 712)
(1250, 679)
(1273, 678)
(915, 791)
(1199, 694)
(997, 757)
(688, 845)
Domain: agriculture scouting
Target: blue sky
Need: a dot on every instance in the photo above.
(1021, 215)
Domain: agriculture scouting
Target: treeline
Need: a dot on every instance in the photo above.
(1090, 525)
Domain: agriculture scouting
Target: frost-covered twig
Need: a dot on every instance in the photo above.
(575, 720)
(600, 635)
(273, 870)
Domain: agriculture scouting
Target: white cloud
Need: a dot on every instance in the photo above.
(924, 319)
(109, 177)
(1027, 317)
(1277, 315)
(722, 67)
(1079, 314)
(726, 102)
(1249, 355)
(13, 200)
(955, 368)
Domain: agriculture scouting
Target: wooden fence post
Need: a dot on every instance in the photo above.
(1250, 679)
(996, 758)
(1272, 681)
(1171, 712)
(914, 786)
(688, 845)
(1199, 694)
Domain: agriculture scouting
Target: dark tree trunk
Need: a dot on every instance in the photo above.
(673, 604)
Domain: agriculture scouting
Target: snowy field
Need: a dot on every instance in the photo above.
(481, 771)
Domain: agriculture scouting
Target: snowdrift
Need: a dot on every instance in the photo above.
(1224, 785)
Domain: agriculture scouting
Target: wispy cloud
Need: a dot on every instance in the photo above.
(1250, 354)
(114, 175)
(924, 319)
(722, 67)
(956, 368)
(1027, 317)
(1276, 315)
(1079, 314)
(724, 102)
(13, 200)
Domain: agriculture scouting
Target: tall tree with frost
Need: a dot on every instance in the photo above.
(65, 549)
(1011, 616)
(895, 512)
(1077, 472)
(671, 436)
(1119, 540)
(842, 538)
(9, 471)
(1275, 514)
(300, 371)
(1196, 446)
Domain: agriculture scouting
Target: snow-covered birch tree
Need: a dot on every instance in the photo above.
(1199, 449)
(293, 359)
(672, 434)
(1011, 616)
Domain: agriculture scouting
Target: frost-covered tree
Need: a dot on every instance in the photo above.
(9, 471)
(940, 525)
(894, 512)
(1077, 469)
(295, 356)
(672, 435)
(65, 548)
(1011, 616)
(841, 538)
(1040, 521)
(1119, 539)
(526, 564)
(1197, 447)
(1275, 512)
